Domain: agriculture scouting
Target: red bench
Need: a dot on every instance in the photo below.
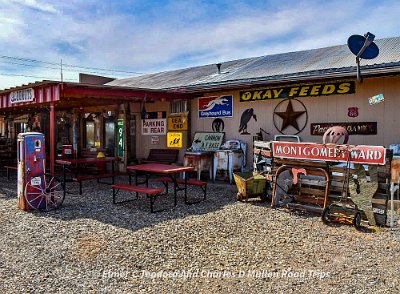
(8, 167)
(190, 182)
(80, 179)
(166, 156)
(152, 193)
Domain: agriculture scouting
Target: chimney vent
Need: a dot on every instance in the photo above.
(219, 67)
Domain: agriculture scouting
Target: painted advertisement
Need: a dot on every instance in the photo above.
(215, 106)
(330, 152)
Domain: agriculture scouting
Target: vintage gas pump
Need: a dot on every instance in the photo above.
(31, 170)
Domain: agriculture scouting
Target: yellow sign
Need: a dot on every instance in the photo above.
(177, 123)
(174, 140)
(338, 88)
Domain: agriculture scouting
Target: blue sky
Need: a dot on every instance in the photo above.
(135, 36)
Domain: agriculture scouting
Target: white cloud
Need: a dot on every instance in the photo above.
(44, 7)
(96, 34)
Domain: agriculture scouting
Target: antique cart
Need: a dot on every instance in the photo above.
(251, 185)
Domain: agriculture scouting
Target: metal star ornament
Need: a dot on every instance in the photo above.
(289, 117)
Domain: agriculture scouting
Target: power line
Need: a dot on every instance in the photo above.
(55, 68)
(68, 65)
(31, 76)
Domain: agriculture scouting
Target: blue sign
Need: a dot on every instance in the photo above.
(216, 106)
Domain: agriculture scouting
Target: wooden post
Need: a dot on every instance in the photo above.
(52, 137)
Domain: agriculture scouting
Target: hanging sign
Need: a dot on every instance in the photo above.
(352, 111)
(330, 152)
(356, 128)
(207, 141)
(339, 88)
(155, 140)
(120, 137)
(376, 99)
(174, 140)
(154, 126)
(177, 123)
(216, 106)
(25, 95)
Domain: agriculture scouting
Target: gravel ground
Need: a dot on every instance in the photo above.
(220, 245)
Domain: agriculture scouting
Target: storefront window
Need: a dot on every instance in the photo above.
(109, 136)
(89, 134)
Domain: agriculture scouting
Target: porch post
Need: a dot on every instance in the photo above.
(52, 137)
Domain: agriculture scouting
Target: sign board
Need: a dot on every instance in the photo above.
(376, 99)
(356, 128)
(339, 88)
(120, 137)
(207, 141)
(177, 123)
(330, 152)
(155, 140)
(25, 95)
(174, 139)
(154, 126)
(216, 106)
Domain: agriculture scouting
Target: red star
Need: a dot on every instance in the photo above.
(290, 117)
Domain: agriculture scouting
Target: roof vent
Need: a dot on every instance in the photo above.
(219, 67)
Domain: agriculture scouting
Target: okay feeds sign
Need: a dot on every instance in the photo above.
(330, 152)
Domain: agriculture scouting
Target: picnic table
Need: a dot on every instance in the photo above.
(81, 165)
(149, 169)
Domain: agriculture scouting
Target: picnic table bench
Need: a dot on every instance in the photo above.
(166, 156)
(152, 193)
(190, 182)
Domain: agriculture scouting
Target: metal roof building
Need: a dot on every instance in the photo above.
(322, 63)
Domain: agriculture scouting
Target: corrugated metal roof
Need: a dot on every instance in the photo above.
(335, 60)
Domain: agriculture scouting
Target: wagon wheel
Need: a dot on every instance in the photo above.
(325, 216)
(44, 193)
(357, 220)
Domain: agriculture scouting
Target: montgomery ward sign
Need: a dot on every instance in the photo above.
(330, 152)
(339, 88)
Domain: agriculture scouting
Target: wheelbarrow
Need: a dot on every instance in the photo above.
(251, 185)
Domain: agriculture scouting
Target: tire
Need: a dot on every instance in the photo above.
(325, 216)
(357, 220)
(239, 196)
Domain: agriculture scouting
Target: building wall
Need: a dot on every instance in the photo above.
(320, 109)
(144, 142)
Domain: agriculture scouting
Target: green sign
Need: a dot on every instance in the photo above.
(120, 128)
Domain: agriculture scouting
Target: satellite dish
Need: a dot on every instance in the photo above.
(362, 47)
(356, 43)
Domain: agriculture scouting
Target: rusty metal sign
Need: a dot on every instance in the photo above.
(355, 128)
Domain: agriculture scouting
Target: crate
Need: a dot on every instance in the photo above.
(250, 185)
